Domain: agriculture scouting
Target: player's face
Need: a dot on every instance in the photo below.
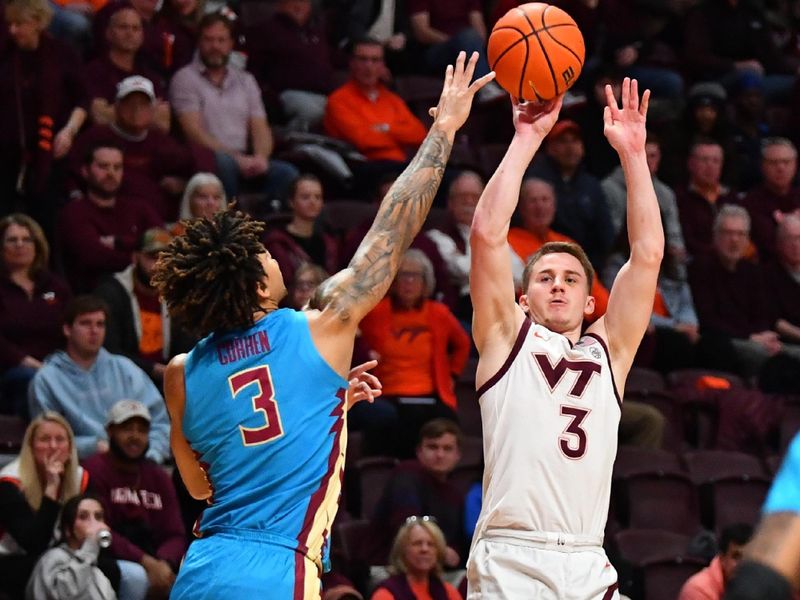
(273, 278)
(419, 554)
(730, 559)
(51, 440)
(557, 296)
(87, 333)
(439, 455)
(131, 437)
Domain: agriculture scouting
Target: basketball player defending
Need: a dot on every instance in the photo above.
(258, 406)
(550, 397)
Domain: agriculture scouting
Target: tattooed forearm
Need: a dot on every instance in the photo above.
(400, 217)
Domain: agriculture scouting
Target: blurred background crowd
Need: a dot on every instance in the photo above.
(121, 120)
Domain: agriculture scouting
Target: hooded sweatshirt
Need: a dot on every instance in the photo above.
(84, 397)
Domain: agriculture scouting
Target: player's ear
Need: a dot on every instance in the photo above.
(262, 291)
(589, 308)
(523, 302)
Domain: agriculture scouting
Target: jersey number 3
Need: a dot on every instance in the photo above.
(263, 402)
(573, 447)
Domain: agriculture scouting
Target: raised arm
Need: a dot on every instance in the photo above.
(495, 312)
(348, 296)
(630, 303)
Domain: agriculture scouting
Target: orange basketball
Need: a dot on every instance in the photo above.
(537, 51)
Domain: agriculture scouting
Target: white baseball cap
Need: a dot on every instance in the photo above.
(127, 409)
(135, 83)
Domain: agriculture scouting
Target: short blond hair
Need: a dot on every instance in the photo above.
(396, 563)
(38, 10)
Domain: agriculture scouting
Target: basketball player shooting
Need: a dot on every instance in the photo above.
(258, 406)
(551, 397)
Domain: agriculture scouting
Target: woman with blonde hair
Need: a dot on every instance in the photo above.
(33, 488)
(416, 563)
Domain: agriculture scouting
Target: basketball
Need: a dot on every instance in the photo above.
(536, 51)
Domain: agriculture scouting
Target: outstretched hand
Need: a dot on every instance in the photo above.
(363, 385)
(535, 118)
(458, 93)
(624, 127)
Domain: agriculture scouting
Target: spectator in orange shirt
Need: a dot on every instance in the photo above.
(536, 212)
(367, 114)
(416, 564)
(709, 584)
(420, 346)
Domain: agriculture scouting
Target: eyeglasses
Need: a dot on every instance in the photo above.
(423, 519)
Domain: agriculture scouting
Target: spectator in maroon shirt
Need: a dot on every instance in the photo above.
(444, 29)
(42, 108)
(99, 232)
(776, 196)
(180, 19)
(138, 498)
(32, 301)
(157, 47)
(301, 240)
(700, 199)
(783, 280)
(294, 36)
(124, 36)
(156, 165)
(729, 293)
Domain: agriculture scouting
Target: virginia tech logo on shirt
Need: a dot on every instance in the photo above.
(143, 498)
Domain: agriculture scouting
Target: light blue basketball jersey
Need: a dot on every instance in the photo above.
(266, 416)
(784, 495)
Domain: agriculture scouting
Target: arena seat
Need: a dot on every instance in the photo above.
(642, 381)
(372, 472)
(666, 501)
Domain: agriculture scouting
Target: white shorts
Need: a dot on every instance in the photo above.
(513, 569)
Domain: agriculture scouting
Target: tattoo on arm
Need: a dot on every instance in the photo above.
(400, 217)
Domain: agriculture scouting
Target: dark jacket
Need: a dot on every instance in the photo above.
(124, 327)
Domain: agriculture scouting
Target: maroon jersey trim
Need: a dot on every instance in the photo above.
(523, 332)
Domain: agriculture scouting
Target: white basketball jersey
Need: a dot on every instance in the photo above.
(550, 419)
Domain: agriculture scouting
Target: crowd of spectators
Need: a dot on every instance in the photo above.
(119, 119)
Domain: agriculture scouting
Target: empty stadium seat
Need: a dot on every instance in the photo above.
(644, 381)
(373, 472)
(655, 501)
(705, 466)
(12, 431)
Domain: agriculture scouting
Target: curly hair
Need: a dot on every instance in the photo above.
(208, 276)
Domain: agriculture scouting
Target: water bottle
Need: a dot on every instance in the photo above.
(104, 538)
